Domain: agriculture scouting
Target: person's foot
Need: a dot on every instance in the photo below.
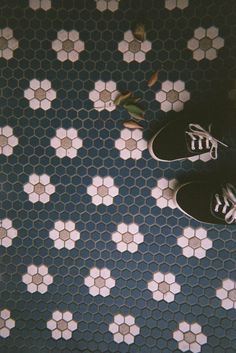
(207, 202)
(180, 139)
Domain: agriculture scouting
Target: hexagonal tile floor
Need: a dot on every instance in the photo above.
(95, 255)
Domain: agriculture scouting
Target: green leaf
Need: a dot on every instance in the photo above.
(122, 97)
(134, 109)
(136, 116)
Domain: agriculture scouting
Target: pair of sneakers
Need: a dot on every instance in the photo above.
(206, 201)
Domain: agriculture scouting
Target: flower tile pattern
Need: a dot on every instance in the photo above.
(39, 188)
(103, 95)
(6, 323)
(64, 235)
(206, 43)
(40, 4)
(227, 294)
(194, 242)
(8, 43)
(66, 143)
(111, 5)
(40, 94)
(68, 45)
(133, 49)
(7, 232)
(127, 237)
(49, 192)
(173, 4)
(62, 325)
(37, 279)
(131, 144)
(99, 281)
(102, 190)
(164, 193)
(163, 286)
(7, 140)
(124, 329)
(172, 96)
(190, 337)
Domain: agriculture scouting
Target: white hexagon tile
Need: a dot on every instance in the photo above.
(111, 5)
(39, 188)
(172, 96)
(40, 94)
(205, 43)
(227, 294)
(68, 45)
(163, 286)
(103, 95)
(37, 279)
(8, 43)
(7, 232)
(40, 4)
(133, 49)
(6, 323)
(131, 144)
(66, 143)
(102, 190)
(7, 140)
(62, 325)
(173, 4)
(124, 329)
(164, 193)
(127, 237)
(194, 242)
(64, 235)
(99, 281)
(189, 337)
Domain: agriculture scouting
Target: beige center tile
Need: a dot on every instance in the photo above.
(134, 46)
(232, 294)
(3, 232)
(105, 96)
(64, 235)
(195, 243)
(102, 191)
(3, 140)
(99, 282)
(68, 45)
(3, 43)
(127, 237)
(189, 337)
(66, 143)
(164, 287)
(205, 43)
(37, 279)
(40, 94)
(62, 325)
(131, 144)
(39, 189)
(172, 96)
(124, 329)
(2, 323)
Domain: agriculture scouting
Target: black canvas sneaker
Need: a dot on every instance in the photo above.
(180, 139)
(207, 202)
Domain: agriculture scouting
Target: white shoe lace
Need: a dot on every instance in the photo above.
(229, 198)
(198, 135)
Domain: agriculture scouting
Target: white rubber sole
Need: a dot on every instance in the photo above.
(178, 206)
(150, 149)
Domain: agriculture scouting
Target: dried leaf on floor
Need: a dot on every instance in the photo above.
(153, 79)
(132, 125)
(139, 32)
